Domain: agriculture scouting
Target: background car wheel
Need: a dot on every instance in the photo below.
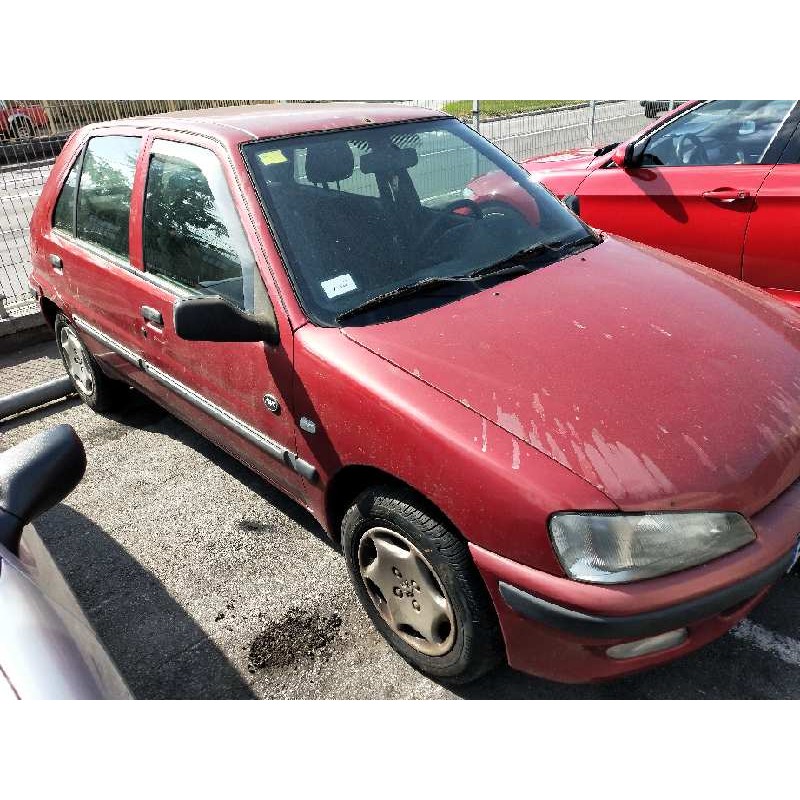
(22, 128)
(417, 582)
(97, 390)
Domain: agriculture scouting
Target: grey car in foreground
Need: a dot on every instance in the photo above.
(48, 649)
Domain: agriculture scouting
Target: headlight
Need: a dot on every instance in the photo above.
(619, 548)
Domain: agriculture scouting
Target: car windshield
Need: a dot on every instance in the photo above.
(362, 215)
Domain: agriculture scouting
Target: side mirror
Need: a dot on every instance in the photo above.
(618, 156)
(214, 319)
(35, 475)
(572, 202)
(629, 155)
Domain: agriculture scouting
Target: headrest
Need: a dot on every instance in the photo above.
(390, 159)
(328, 162)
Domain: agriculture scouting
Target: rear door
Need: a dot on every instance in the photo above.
(772, 246)
(195, 242)
(88, 245)
(696, 188)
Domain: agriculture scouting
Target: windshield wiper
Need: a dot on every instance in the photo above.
(508, 266)
(424, 285)
(517, 261)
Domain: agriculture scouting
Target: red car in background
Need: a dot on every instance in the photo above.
(21, 121)
(715, 181)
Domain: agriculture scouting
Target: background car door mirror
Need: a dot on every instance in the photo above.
(572, 202)
(618, 155)
(629, 155)
(214, 319)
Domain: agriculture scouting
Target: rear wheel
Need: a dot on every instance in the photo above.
(98, 391)
(416, 580)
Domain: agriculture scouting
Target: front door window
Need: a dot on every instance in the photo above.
(192, 234)
(720, 132)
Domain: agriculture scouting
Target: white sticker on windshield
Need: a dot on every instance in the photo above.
(341, 284)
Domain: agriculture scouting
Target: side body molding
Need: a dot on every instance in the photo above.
(269, 446)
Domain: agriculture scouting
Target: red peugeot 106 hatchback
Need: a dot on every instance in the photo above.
(530, 438)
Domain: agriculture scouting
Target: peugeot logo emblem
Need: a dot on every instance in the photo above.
(272, 404)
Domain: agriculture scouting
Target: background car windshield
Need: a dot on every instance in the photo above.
(360, 213)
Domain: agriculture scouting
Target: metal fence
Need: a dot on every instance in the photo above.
(32, 133)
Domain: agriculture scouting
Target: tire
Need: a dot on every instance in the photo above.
(394, 518)
(96, 389)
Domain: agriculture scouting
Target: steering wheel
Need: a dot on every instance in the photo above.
(690, 150)
(435, 228)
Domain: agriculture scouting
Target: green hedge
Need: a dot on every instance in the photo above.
(503, 108)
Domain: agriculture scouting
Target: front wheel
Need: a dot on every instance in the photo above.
(417, 582)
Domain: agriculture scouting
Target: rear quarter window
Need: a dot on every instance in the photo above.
(64, 213)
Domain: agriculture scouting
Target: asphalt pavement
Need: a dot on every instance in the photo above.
(203, 581)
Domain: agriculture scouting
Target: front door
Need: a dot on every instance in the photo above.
(772, 245)
(696, 187)
(194, 243)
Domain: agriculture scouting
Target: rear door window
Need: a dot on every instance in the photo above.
(192, 233)
(104, 192)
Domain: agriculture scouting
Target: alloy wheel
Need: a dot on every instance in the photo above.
(75, 361)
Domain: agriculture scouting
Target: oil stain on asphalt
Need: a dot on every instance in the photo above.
(298, 637)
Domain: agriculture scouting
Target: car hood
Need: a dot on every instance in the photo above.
(660, 382)
(573, 160)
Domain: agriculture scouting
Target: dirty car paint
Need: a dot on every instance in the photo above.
(625, 365)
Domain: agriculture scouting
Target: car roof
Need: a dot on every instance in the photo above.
(236, 124)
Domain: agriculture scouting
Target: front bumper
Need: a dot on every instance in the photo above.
(648, 623)
(561, 629)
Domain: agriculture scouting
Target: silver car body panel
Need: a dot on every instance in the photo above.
(48, 649)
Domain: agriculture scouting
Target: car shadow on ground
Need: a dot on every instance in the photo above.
(140, 412)
(159, 649)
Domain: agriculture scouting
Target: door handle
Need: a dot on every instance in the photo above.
(55, 262)
(152, 316)
(726, 195)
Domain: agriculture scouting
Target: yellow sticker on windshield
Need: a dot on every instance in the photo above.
(272, 157)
